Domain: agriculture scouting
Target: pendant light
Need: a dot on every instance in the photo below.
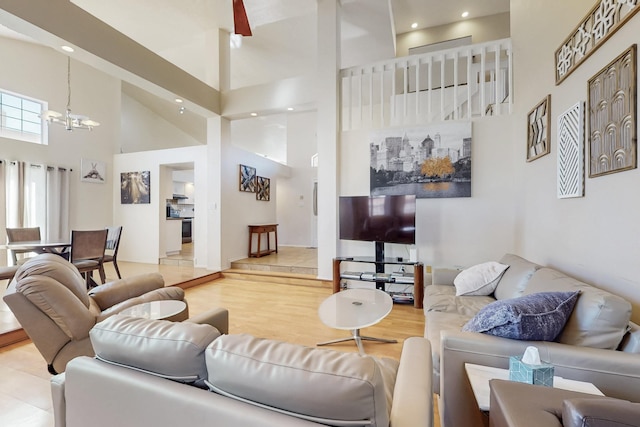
(68, 120)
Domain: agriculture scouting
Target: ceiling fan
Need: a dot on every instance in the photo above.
(240, 20)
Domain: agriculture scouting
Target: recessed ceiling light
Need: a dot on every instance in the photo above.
(254, 114)
(181, 110)
(290, 109)
(67, 48)
(179, 100)
(414, 25)
(465, 14)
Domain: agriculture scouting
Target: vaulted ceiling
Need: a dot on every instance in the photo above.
(284, 31)
(284, 37)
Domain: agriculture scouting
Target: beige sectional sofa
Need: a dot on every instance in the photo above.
(159, 373)
(524, 405)
(598, 344)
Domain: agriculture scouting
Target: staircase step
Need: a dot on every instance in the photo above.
(239, 265)
(176, 262)
(276, 277)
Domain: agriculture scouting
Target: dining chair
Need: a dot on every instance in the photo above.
(26, 234)
(87, 253)
(113, 243)
(7, 273)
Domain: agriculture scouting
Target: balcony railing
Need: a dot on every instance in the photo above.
(453, 84)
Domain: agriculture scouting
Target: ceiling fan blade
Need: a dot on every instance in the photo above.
(240, 20)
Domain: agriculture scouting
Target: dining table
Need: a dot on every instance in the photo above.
(53, 246)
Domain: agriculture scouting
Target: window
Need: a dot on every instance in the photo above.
(20, 118)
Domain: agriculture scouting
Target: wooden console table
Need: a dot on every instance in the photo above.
(259, 229)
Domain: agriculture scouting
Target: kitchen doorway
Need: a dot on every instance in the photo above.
(180, 214)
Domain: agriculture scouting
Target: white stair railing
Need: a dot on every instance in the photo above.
(453, 84)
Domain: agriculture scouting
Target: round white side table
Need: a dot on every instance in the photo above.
(173, 310)
(353, 309)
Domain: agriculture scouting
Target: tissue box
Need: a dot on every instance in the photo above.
(530, 374)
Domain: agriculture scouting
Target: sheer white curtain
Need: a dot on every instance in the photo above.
(12, 199)
(14, 194)
(3, 200)
(35, 199)
(3, 211)
(57, 204)
(35, 195)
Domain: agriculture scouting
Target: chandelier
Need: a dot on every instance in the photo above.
(68, 120)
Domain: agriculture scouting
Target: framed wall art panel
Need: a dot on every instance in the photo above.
(602, 21)
(431, 161)
(571, 152)
(538, 130)
(93, 171)
(135, 187)
(612, 101)
(247, 179)
(263, 189)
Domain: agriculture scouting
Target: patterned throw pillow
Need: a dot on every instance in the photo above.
(534, 317)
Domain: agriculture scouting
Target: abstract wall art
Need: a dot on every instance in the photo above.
(93, 171)
(602, 21)
(611, 105)
(263, 189)
(247, 179)
(538, 130)
(571, 152)
(135, 187)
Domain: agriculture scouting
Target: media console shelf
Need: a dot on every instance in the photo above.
(381, 278)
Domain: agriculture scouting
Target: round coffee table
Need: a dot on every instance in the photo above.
(173, 310)
(353, 309)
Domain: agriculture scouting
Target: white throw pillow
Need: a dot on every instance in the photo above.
(481, 279)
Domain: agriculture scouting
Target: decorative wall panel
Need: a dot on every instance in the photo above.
(263, 188)
(604, 19)
(571, 152)
(538, 128)
(247, 179)
(612, 116)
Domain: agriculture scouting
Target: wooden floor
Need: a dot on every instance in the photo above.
(172, 274)
(276, 308)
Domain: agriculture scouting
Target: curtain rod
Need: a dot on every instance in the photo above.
(14, 162)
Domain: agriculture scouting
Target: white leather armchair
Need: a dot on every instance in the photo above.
(49, 298)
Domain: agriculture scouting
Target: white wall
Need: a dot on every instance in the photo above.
(594, 238)
(513, 207)
(41, 73)
(295, 193)
(95, 205)
(143, 130)
(265, 134)
(451, 231)
(142, 223)
(486, 28)
(239, 209)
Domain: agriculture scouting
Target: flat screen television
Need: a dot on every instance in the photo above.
(385, 219)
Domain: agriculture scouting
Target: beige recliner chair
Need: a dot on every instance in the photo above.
(49, 298)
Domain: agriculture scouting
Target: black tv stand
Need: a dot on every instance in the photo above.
(379, 256)
(380, 278)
